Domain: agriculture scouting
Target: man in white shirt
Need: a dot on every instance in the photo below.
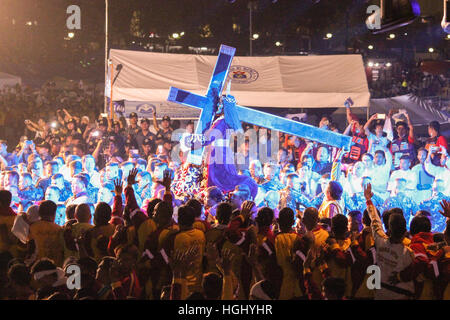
(380, 173)
(404, 172)
(376, 141)
(89, 168)
(442, 173)
(391, 254)
(423, 178)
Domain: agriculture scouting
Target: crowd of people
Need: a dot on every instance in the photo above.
(410, 81)
(103, 195)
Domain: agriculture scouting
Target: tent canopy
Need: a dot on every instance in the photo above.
(279, 81)
(7, 79)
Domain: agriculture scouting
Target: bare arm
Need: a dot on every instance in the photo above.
(376, 224)
(97, 150)
(367, 125)
(410, 126)
(306, 151)
(155, 122)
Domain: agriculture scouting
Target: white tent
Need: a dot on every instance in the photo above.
(280, 81)
(9, 80)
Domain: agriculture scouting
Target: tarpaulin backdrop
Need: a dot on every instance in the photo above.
(9, 80)
(280, 81)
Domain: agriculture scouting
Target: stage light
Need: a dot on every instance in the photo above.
(448, 37)
(388, 64)
(255, 36)
(29, 23)
(406, 33)
(278, 44)
(377, 64)
(329, 35)
(71, 35)
(430, 50)
(182, 33)
(370, 64)
(54, 124)
(203, 48)
(175, 35)
(370, 47)
(392, 36)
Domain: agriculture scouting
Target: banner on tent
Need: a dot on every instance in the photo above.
(146, 109)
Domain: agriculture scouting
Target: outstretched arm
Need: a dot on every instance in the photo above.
(367, 125)
(376, 224)
(411, 127)
(155, 122)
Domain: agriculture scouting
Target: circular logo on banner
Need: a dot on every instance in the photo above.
(146, 108)
(242, 74)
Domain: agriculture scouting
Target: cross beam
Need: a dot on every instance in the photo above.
(267, 120)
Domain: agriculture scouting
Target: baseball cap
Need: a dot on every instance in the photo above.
(147, 142)
(166, 118)
(55, 140)
(103, 122)
(133, 115)
(44, 144)
(145, 120)
(71, 120)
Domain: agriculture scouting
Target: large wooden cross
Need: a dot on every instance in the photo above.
(208, 105)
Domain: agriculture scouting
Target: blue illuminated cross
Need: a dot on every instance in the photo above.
(208, 105)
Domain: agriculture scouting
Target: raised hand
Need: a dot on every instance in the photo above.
(132, 177)
(446, 208)
(368, 194)
(246, 209)
(118, 188)
(167, 179)
(224, 263)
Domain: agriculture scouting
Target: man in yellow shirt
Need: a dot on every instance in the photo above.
(7, 217)
(47, 235)
(185, 239)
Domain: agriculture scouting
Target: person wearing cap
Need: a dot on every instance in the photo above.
(71, 127)
(146, 148)
(106, 151)
(133, 128)
(130, 149)
(144, 134)
(163, 132)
